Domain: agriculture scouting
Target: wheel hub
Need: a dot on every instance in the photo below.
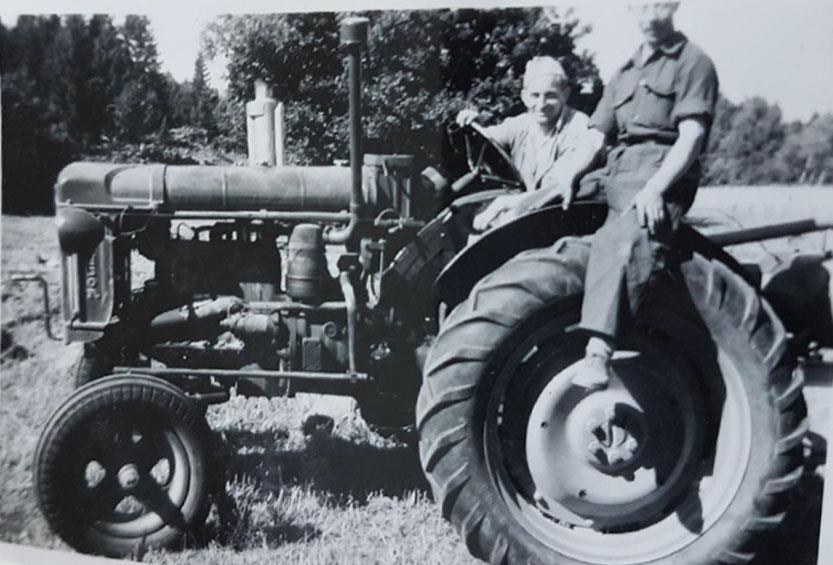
(128, 477)
(614, 438)
(611, 458)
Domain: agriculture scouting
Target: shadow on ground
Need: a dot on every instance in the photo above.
(339, 470)
(260, 470)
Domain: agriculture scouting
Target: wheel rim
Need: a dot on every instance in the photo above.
(622, 475)
(131, 474)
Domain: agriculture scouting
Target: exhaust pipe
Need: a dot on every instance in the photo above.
(353, 40)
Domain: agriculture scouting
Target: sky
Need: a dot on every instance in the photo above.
(779, 50)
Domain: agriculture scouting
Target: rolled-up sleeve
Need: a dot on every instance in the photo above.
(695, 90)
(604, 117)
(506, 132)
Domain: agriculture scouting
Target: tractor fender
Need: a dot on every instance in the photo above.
(408, 282)
(539, 228)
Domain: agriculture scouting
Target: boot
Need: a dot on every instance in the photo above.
(593, 372)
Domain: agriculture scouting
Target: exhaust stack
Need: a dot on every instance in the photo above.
(354, 39)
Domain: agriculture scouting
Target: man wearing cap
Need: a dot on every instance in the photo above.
(549, 144)
(655, 114)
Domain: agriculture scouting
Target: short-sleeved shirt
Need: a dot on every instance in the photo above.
(649, 96)
(540, 158)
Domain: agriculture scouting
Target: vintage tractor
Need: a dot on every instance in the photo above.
(271, 280)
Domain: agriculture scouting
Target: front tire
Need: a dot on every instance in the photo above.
(689, 456)
(93, 363)
(123, 466)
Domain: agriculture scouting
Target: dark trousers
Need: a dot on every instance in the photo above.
(624, 257)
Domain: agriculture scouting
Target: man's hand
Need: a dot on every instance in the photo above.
(501, 210)
(650, 208)
(566, 190)
(466, 117)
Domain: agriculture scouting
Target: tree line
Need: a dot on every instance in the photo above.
(77, 87)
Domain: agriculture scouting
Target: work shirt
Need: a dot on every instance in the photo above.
(541, 158)
(648, 97)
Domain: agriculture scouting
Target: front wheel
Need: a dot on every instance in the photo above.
(123, 466)
(688, 457)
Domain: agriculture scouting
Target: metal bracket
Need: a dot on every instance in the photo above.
(23, 276)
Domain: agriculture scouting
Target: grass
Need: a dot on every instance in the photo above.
(351, 497)
(731, 208)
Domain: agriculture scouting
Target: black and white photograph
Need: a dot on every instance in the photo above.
(416, 283)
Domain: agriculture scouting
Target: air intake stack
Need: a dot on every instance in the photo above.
(353, 40)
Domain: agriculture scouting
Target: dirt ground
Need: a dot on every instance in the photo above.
(352, 497)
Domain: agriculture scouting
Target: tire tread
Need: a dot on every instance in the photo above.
(449, 388)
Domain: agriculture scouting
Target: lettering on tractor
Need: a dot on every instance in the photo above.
(345, 280)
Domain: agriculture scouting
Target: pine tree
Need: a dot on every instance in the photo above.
(142, 105)
(200, 81)
(141, 45)
(204, 99)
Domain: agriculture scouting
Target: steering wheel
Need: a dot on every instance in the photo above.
(487, 161)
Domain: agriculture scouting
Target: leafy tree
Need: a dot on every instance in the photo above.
(35, 132)
(70, 83)
(230, 120)
(748, 138)
(806, 156)
(180, 102)
(421, 67)
(717, 159)
(138, 110)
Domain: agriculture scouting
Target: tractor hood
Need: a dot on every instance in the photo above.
(180, 188)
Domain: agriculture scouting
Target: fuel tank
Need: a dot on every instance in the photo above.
(201, 187)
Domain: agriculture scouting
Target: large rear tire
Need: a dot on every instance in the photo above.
(688, 457)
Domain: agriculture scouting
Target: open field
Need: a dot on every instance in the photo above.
(352, 497)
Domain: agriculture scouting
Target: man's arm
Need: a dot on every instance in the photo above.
(576, 161)
(650, 209)
(502, 134)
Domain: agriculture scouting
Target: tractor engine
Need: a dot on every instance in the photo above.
(238, 306)
(243, 278)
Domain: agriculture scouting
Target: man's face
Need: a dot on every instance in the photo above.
(656, 20)
(544, 97)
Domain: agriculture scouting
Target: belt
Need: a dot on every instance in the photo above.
(645, 140)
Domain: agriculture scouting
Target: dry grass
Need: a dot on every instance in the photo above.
(351, 497)
(731, 208)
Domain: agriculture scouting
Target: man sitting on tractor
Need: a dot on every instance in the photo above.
(655, 112)
(550, 144)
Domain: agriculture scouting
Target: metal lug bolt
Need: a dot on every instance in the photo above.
(540, 500)
(128, 477)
